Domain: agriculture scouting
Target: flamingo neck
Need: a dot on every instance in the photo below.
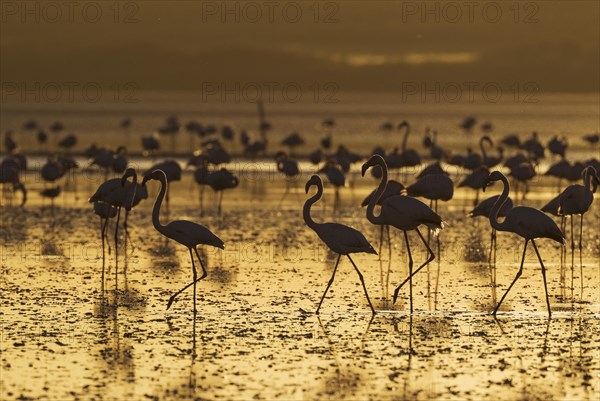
(498, 205)
(158, 204)
(308, 204)
(483, 152)
(587, 179)
(405, 139)
(377, 195)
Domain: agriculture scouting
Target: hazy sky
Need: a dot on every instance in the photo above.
(360, 45)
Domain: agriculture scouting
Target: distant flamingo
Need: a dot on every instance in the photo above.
(476, 180)
(404, 213)
(576, 200)
(410, 157)
(528, 223)
(289, 168)
(221, 180)
(341, 239)
(185, 232)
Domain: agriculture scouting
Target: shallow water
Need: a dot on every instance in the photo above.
(256, 336)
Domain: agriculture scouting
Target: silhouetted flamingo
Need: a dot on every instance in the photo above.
(405, 214)
(341, 239)
(185, 232)
(528, 223)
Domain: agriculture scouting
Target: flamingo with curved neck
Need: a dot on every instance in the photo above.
(528, 223)
(185, 232)
(341, 239)
(404, 213)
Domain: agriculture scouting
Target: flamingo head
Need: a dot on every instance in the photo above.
(403, 124)
(314, 180)
(375, 160)
(157, 174)
(493, 177)
(130, 172)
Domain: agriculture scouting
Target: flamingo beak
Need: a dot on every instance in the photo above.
(364, 169)
(308, 185)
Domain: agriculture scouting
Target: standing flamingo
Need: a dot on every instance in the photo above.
(483, 209)
(185, 232)
(404, 213)
(341, 239)
(577, 199)
(528, 223)
(116, 193)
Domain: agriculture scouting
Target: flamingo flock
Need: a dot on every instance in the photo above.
(395, 199)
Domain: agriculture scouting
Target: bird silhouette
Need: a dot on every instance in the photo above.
(476, 180)
(116, 193)
(483, 209)
(526, 222)
(576, 200)
(403, 213)
(392, 188)
(220, 181)
(289, 168)
(341, 239)
(184, 232)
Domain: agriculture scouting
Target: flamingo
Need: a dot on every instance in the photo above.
(221, 180)
(476, 180)
(528, 223)
(117, 194)
(577, 199)
(404, 213)
(341, 239)
(410, 157)
(336, 177)
(483, 209)
(185, 232)
(393, 188)
(289, 168)
(172, 170)
(9, 174)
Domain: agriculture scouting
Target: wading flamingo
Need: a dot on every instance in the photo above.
(528, 223)
(404, 213)
(185, 232)
(116, 193)
(577, 199)
(341, 239)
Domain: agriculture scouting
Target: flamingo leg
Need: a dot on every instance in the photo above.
(572, 257)
(387, 277)
(193, 283)
(285, 193)
(117, 252)
(514, 281)
(362, 281)
(580, 252)
(127, 236)
(102, 228)
(543, 275)
(329, 284)
(562, 258)
(220, 201)
(380, 245)
(431, 257)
